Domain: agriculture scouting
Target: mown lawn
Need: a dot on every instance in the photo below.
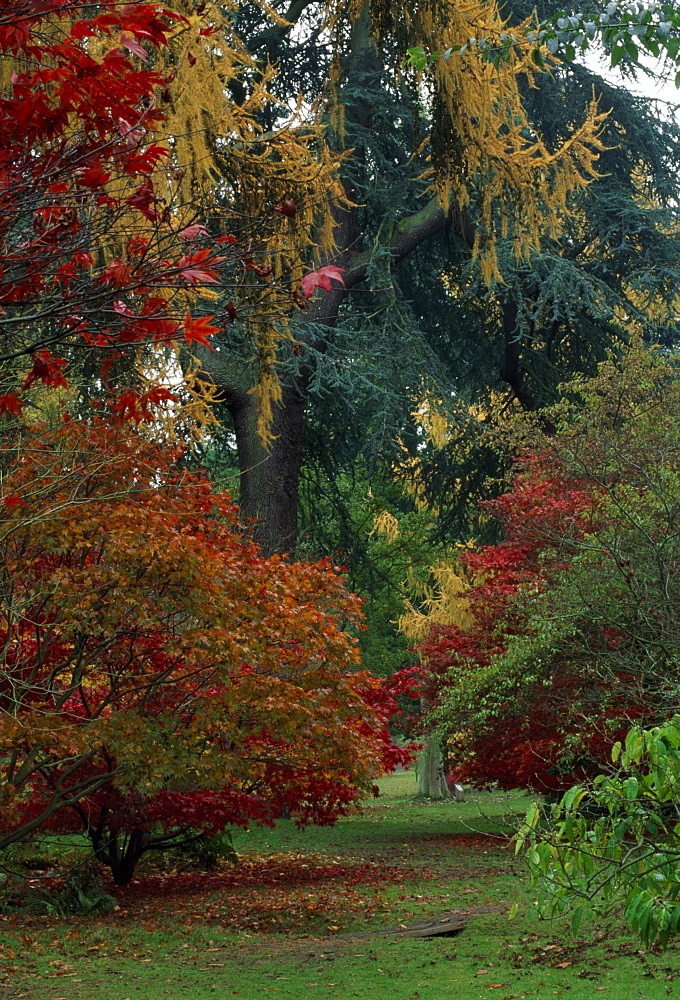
(276, 923)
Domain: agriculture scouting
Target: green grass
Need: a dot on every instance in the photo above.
(185, 946)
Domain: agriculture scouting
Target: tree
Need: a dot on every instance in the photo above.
(418, 318)
(574, 629)
(622, 27)
(160, 676)
(105, 254)
(362, 78)
(77, 163)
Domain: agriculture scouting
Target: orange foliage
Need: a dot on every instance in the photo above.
(151, 654)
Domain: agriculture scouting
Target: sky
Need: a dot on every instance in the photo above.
(664, 90)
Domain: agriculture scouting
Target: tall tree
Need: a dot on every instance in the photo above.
(484, 163)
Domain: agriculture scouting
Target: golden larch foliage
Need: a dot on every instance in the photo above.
(442, 602)
(385, 523)
(484, 151)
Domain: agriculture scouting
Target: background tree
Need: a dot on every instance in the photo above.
(573, 617)
(409, 324)
(341, 338)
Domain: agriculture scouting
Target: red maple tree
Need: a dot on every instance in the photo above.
(94, 259)
(553, 722)
(160, 676)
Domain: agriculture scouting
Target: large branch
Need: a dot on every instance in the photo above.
(267, 41)
(233, 375)
(406, 235)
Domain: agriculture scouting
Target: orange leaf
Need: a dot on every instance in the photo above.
(198, 330)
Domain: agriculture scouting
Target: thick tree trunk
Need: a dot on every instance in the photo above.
(431, 778)
(269, 478)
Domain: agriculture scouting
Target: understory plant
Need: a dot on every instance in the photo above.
(615, 843)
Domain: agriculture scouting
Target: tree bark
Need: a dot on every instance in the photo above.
(431, 778)
(121, 858)
(269, 479)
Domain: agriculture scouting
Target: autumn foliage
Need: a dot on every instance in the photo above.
(93, 256)
(161, 677)
(524, 744)
(573, 617)
(103, 251)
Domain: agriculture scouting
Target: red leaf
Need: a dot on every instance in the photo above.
(193, 232)
(199, 275)
(132, 45)
(117, 273)
(106, 365)
(10, 403)
(287, 207)
(321, 279)
(18, 502)
(131, 405)
(45, 369)
(197, 330)
(92, 176)
(143, 199)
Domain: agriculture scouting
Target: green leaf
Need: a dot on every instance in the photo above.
(633, 51)
(617, 55)
(630, 788)
(533, 814)
(673, 48)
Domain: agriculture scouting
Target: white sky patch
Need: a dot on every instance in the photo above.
(661, 87)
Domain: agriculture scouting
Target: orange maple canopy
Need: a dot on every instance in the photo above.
(154, 659)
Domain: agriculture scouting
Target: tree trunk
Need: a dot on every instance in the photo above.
(431, 777)
(122, 858)
(269, 478)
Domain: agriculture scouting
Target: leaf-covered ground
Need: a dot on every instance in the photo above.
(276, 923)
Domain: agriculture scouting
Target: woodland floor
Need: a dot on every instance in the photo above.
(275, 922)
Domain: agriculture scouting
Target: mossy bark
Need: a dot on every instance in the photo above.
(431, 778)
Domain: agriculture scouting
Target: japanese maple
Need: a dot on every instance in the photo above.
(101, 247)
(574, 626)
(91, 255)
(160, 677)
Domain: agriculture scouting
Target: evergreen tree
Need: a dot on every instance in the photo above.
(485, 178)
(417, 317)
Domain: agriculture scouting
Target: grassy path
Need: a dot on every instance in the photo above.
(274, 925)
